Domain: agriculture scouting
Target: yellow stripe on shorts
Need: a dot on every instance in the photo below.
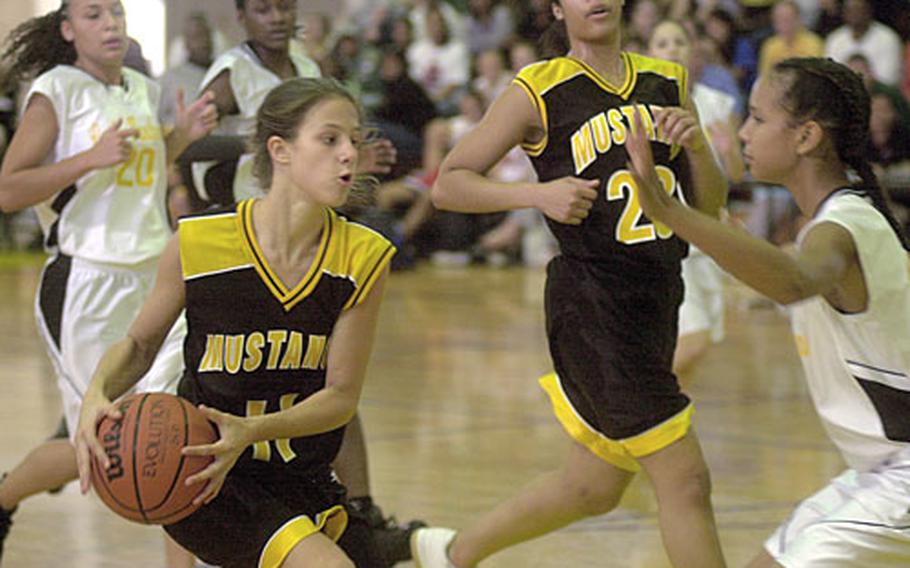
(331, 521)
(575, 425)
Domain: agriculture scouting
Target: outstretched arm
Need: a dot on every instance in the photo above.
(825, 256)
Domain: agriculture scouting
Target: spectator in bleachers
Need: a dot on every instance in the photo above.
(439, 62)
(791, 37)
(356, 63)
(197, 38)
(809, 12)
(830, 17)
(860, 64)
(738, 51)
(645, 15)
(403, 112)
(533, 17)
(905, 84)
(418, 10)
(492, 75)
(317, 36)
(522, 54)
(401, 34)
(489, 25)
(862, 34)
(889, 137)
(708, 66)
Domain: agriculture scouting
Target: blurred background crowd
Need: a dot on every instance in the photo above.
(425, 71)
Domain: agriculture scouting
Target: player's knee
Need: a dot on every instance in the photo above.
(693, 487)
(591, 496)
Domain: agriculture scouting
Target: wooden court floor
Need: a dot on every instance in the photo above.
(455, 423)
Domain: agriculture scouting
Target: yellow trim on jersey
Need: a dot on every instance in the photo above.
(201, 261)
(292, 297)
(623, 91)
(660, 436)
(666, 69)
(606, 449)
(538, 147)
(372, 275)
(332, 522)
(669, 70)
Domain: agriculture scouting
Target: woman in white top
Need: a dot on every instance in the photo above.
(850, 294)
(91, 156)
(701, 315)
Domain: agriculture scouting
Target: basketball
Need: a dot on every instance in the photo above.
(145, 482)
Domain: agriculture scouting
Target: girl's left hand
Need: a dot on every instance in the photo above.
(227, 450)
(377, 156)
(198, 119)
(653, 199)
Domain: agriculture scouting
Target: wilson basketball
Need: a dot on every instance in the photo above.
(146, 479)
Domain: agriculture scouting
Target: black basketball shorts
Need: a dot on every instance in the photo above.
(612, 334)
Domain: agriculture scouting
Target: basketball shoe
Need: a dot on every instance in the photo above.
(392, 540)
(430, 547)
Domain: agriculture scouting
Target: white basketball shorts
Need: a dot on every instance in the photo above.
(82, 309)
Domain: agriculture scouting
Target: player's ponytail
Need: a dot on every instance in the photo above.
(554, 42)
(834, 96)
(37, 45)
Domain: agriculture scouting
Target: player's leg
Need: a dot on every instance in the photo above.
(316, 551)
(858, 519)
(682, 484)
(585, 485)
(701, 313)
(352, 467)
(51, 464)
(175, 556)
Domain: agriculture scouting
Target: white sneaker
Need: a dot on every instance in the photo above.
(430, 547)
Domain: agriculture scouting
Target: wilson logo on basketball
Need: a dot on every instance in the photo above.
(111, 443)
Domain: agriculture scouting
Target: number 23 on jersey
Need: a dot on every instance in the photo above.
(631, 228)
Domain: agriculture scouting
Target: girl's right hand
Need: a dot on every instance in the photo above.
(88, 447)
(114, 146)
(567, 200)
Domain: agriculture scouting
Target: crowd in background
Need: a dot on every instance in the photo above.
(425, 71)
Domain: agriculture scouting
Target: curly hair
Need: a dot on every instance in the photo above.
(37, 45)
(835, 97)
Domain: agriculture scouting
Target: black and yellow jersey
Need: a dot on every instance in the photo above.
(253, 345)
(586, 122)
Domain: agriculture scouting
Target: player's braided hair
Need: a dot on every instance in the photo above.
(842, 111)
(36, 46)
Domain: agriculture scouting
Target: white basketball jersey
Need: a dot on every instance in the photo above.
(858, 365)
(251, 81)
(113, 215)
